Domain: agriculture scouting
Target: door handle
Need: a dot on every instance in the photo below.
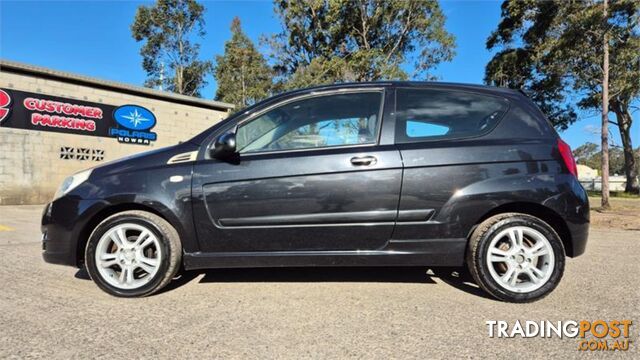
(364, 160)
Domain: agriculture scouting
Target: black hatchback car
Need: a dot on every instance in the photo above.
(363, 174)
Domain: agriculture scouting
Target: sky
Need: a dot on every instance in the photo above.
(93, 38)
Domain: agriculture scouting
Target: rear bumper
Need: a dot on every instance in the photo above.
(63, 221)
(575, 209)
(579, 237)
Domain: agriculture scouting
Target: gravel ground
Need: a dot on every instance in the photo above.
(56, 312)
(624, 214)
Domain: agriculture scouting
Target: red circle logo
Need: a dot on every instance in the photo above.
(5, 101)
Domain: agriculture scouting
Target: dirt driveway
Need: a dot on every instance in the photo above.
(624, 214)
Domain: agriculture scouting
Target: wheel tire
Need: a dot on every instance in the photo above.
(167, 238)
(478, 263)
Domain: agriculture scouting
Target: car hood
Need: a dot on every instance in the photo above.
(143, 160)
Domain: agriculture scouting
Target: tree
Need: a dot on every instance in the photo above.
(558, 50)
(605, 108)
(358, 40)
(584, 153)
(589, 154)
(515, 68)
(622, 31)
(167, 28)
(242, 73)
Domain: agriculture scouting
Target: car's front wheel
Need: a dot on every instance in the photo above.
(133, 254)
(516, 257)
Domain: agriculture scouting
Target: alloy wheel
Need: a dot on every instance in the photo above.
(520, 259)
(128, 256)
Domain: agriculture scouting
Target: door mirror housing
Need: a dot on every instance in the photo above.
(224, 146)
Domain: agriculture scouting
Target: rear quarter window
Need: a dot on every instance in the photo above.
(431, 114)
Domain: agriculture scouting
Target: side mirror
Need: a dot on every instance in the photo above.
(224, 146)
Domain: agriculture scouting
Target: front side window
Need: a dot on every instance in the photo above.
(427, 114)
(317, 122)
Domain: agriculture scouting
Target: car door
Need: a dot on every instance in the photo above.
(311, 174)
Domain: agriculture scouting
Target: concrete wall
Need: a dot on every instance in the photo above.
(616, 183)
(30, 165)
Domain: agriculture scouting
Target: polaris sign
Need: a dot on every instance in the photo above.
(133, 124)
(129, 124)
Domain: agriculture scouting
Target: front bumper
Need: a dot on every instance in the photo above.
(63, 226)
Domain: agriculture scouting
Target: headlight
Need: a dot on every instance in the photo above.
(72, 182)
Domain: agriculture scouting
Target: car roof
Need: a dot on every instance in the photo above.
(411, 84)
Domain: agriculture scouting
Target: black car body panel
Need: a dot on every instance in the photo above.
(139, 182)
(323, 203)
(415, 204)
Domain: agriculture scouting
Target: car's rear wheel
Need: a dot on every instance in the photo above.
(516, 257)
(133, 253)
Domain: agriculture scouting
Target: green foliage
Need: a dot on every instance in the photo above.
(585, 152)
(358, 40)
(319, 71)
(167, 27)
(580, 47)
(555, 50)
(242, 73)
(614, 194)
(522, 37)
(589, 154)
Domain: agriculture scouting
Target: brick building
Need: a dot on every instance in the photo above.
(53, 124)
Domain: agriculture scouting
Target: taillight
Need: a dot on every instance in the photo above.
(567, 157)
